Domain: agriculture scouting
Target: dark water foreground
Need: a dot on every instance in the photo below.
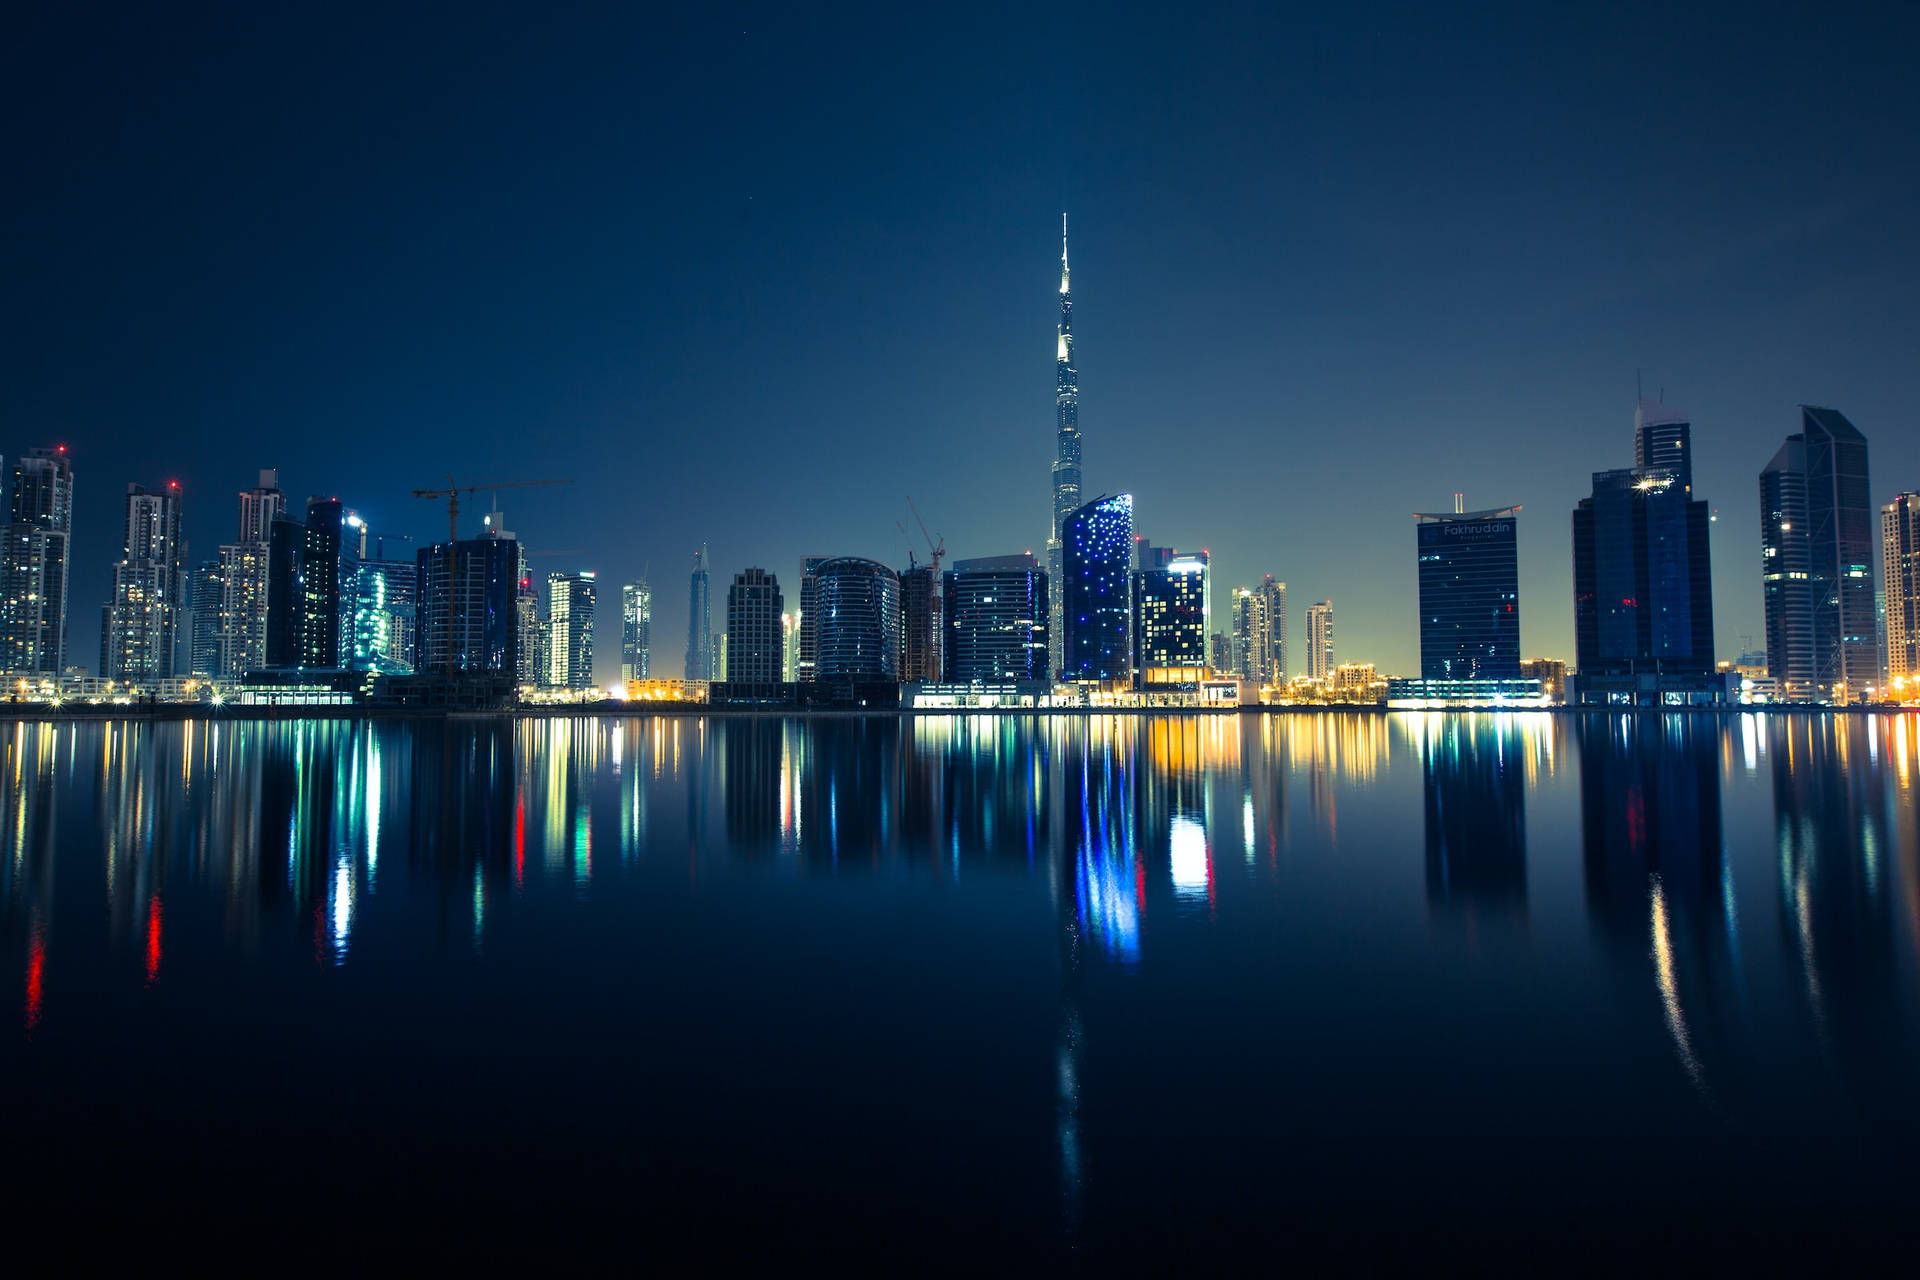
(1063, 991)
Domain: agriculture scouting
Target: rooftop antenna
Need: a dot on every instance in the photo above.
(1459, 504)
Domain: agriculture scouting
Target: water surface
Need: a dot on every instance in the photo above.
(1056, 989)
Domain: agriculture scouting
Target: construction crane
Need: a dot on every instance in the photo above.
(937, 552)
(908, 539)
(452, 494)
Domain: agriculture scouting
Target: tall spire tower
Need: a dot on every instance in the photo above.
(1066, 463)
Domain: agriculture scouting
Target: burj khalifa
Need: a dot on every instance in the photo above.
(1066, 463)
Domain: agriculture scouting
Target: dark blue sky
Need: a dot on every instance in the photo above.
(754, 278)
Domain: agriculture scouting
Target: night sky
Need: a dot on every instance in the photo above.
(754, 278)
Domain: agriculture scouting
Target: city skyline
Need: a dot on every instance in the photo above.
(1346, 344)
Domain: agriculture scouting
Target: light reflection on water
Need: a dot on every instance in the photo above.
(1630, 904)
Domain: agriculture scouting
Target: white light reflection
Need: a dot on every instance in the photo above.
(1190, 871)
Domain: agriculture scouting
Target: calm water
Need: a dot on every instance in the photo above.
(1075, 989)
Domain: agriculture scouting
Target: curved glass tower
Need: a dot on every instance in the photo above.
(858, 602)
(1096, 554)
(1066, 463)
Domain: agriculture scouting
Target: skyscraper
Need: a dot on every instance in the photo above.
(858, 603)
(807, 663)
(1642, 580)
(1259, 622)
(700, 619)
(1662, 442)
(1816, 532)
(141, 621)
(636, 630)
(790, 647)
(206, 593)
(1320, 640)
(1900, 561)
(995, 611)
(754, 635)
(34, 547)
(1171, 620)
(919, 625)
(467, 619)
(1096, 550)
(1066, 462)
(570, 600)
(303, 587)
(243, 577)
(1469, 594)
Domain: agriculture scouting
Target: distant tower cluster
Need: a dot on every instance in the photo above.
(1259, 637)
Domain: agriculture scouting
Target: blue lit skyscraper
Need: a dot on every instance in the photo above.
(1469, 594)
(1096, 556)
(1066, 463)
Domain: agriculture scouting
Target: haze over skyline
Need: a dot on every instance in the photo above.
(752, 281)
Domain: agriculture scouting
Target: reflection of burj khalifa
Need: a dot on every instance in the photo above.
(1066, 464)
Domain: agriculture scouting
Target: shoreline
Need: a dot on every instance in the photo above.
(182, 712)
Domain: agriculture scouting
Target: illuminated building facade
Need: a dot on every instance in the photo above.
(1221, 653)
(996, 612)
(1096, 551)
(140, 624)
(206, 591)
(807, 659)
(1259, 621)
(303, 587)
(1900, 562)
(754, 634)
(1066, 463)
(1816, 533)
(1642, 581)
(789, 647)
(34, 546)
(857, 603)
(570, 601)
(919, 624)
(1171, 619)
(1663, 443)
(243, 574)
(636, 630)
(699, 664)
(1320, 640)
(379, 602)
(467, 617)
(1469, 594)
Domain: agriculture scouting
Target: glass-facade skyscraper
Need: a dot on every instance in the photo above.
(1320, 640)
(1066, 462)
(636, 630)
(570, 606)
(467, 617)
(1816, 533)
(858, 603)
(699, 665)
(1642, 579)
(1469, 594)
(996, 612)
(1096, 557)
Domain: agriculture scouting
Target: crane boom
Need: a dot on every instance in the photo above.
(935, 552)
(453, 491)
